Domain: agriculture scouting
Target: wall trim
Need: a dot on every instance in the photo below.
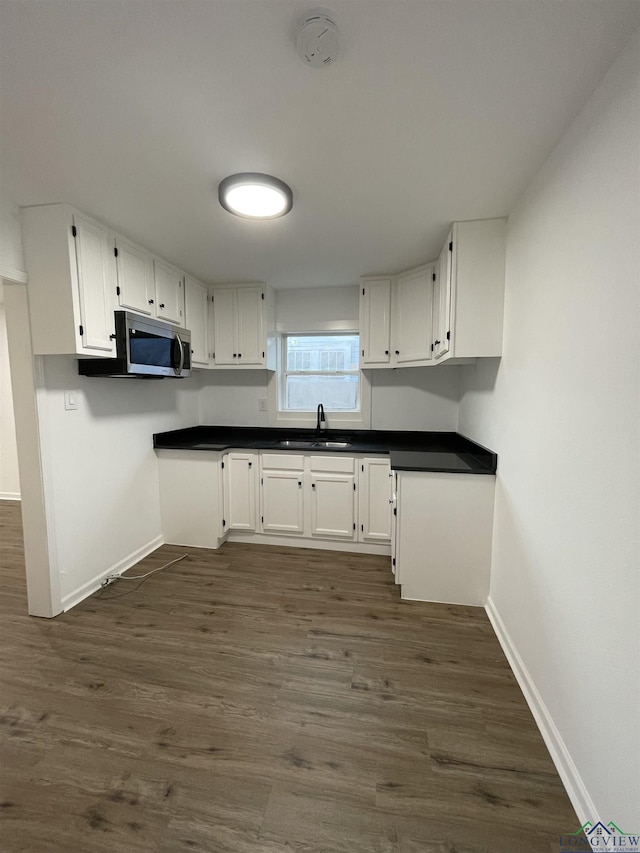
(11, 274)
(82, 592)
(9, 496)
(571, 779)
(304, 542)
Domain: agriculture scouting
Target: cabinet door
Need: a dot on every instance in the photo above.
(442, 301)
(413, 293)
(240, 491)
(95, 265)
(375, 322)
(282, 502)
(375, 500)
(224, 324)
(168, 285)
(135, 277)
(196, 319)
(250, 338)
(332, 505)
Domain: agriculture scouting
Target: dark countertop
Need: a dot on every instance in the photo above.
(447, 452)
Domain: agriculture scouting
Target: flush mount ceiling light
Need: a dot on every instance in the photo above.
(255, 196)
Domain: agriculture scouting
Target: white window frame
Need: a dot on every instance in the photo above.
(334, 420)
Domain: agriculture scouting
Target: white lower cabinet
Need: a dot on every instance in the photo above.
(240, 478)
(333, 496)
(282, 504)
(375, 500)
(191, 497)
(444, 527)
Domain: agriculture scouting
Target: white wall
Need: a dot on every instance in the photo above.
(9, 478)
(100, 470)
(407, 398)
(562, 411)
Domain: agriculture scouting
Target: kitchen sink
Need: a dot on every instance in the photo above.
(306, 444)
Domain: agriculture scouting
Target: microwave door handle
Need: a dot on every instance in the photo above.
(178, 369)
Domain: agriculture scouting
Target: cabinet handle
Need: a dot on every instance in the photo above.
(397, 352)
(151, 302)
(436, 343)
(112, 337)
(162, 305)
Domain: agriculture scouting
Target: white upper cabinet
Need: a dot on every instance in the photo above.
(71, 287)
(196, 314)
(411, 323)
(375, 322)
(134, 268)
(442, 301)
(473, 269)
(169, 293)
(244, 326)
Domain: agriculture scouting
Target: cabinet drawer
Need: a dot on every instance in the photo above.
(282, 461)
(333, 464)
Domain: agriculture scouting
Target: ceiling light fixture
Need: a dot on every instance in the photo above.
(255, 196)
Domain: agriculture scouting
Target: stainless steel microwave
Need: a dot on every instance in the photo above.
(145, 348)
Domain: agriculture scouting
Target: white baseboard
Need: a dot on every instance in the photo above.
(9, 496)
(571, 779)
(121, 566)
(307, 542)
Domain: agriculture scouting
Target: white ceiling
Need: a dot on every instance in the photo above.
(133, 110)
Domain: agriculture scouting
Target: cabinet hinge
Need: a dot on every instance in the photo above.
(362, 527)
(263, 353)
(363, 353)
(262, 518)
(74, 231)
(431, 347)
(81, 330)
(363, 291)
(115, 251)
(262, 481)
(354, 487)
(263, 295)
(434, 276)
(448, 335)
(451, 246)
(213, 355)
(354, 525)
(224, 523)
(117, 290)
(395, 510)
(223, 464)
(393, 562)
(362, 468)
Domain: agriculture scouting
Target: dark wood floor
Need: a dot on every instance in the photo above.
(263, 699)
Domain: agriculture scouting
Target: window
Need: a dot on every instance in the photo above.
(320, 368)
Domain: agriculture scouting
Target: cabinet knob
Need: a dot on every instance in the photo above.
(300, 483)
(151, 302)
(313, 485)
(239, 355)
(397, 352)
(235, 355)
(162, 305)
(436, 343)
(386, 352)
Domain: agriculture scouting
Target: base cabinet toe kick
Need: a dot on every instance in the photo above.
(436, 527)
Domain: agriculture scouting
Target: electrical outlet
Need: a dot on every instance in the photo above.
(71, 400)
(262, 405)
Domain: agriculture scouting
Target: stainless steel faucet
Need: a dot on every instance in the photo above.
(321, 418)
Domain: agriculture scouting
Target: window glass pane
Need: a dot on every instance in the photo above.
(336, 393)
(322, 352)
